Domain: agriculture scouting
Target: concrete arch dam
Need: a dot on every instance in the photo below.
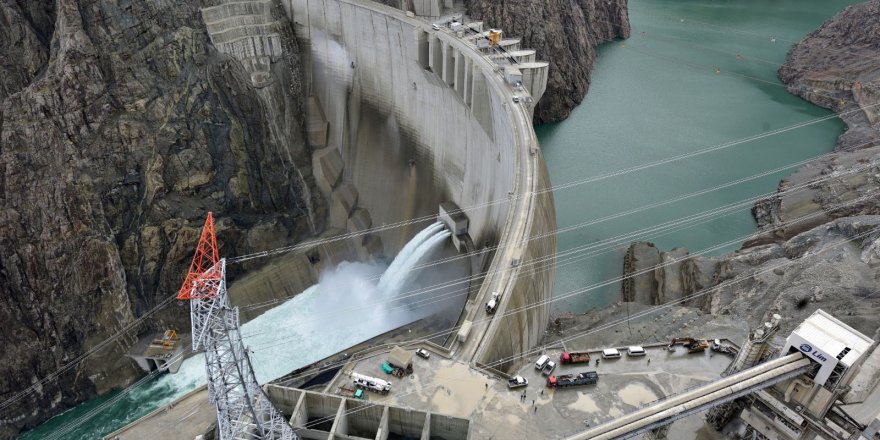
(405, 117)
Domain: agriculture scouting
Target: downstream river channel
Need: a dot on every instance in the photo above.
(693, 75)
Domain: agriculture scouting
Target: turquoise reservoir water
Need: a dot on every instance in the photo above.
(694, 74)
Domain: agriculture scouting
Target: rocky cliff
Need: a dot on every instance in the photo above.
(794, 267)
(120, 127)
(837, 67)
(563, 32)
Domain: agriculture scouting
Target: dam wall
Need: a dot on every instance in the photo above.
(417, 116)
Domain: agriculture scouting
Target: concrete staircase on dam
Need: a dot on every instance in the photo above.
(247, 31)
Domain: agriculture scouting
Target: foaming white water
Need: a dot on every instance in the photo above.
(396, 280)
(345, 308)
(405, 254)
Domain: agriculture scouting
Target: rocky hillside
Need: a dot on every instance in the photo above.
(120, 127)
(564, 33)
(837, 67)
(790, 267)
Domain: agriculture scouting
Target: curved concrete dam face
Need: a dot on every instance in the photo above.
(411, 117)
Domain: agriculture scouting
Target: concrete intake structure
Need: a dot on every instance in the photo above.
(419, 116)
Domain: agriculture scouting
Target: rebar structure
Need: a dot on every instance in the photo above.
(244, 412)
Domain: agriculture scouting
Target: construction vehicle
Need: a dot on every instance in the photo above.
(399, 361)
(573, 380)
(693, 345)
(351, 392)
(492, 305)
(517, 382)
(494, 37)
(371, 383)
(574, 357)
(718, 347)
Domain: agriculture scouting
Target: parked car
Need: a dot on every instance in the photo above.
(610, 353)
(422, 353)
(635, 350)
(541, 362)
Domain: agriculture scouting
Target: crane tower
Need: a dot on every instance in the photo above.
(244, 412)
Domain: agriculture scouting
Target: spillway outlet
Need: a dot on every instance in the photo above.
(456, 221)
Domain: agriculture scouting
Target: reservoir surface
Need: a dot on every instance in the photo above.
(693, 75)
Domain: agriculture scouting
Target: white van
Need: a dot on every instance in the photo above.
(635, 350)
(610, 353)
(541, 362)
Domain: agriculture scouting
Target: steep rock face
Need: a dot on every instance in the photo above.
(835, 67)
(819, 268)
(563, 32)
(25, 32)
(111, 153)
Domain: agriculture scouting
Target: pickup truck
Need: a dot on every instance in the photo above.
(492, 304)
(548, 368)
(517, 382)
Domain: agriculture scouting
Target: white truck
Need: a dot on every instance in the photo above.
(464, 331)
(371, 383)
(492, 305)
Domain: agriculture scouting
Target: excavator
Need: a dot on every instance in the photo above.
(693, 345)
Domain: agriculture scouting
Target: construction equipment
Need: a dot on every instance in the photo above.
(351, 392)
(718, 347)
(371, 383)
(574, 357)
(573, 380)
(494, 37)
(692, 345)
(400, 361)
(169, 339)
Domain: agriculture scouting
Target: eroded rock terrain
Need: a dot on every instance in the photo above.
(818, 238)
(120, 127)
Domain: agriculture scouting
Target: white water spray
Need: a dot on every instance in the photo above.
(406, 253)
(393, 281)
(345, 308)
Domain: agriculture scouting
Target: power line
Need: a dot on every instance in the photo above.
(603, 327)
(425, 218)
(610, 242)
(617, 279)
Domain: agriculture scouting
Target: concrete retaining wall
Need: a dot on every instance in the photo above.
(420, 117)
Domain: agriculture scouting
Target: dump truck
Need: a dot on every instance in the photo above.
(693, 345)
(517, 382)
(573, 380)
(371, 383)
(351, 392)
(574, 357)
